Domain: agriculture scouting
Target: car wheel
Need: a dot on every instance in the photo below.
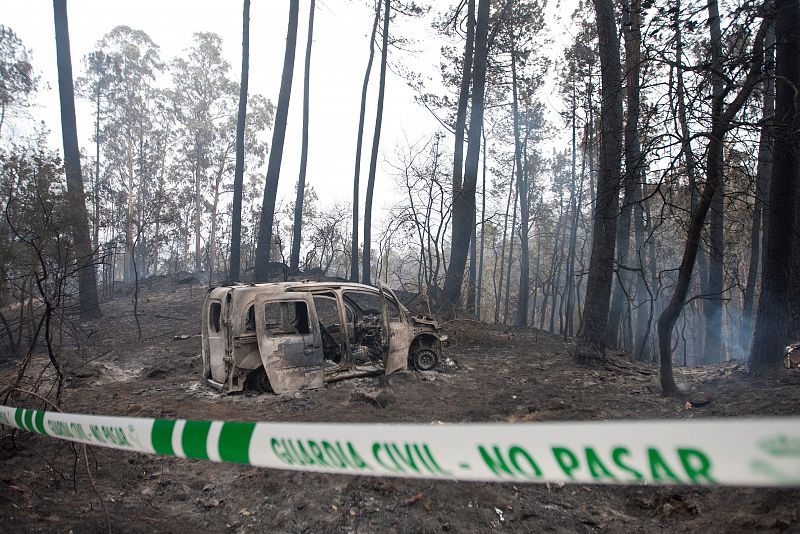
(258, 381)
(424, 359)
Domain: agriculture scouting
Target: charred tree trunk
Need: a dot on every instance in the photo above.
(774, 319)
(510, 259)
(472, 282)
(712, 305)
(376, 141)
(721, 121)
(294, 257)
(631, 20)
(643, 310)
(464, 202)
(276, 150)
(87, 283)
(479, 296)
(238, 175)
(686, 148)
(359, 143)
(523, 292)
(763, 172)
(463, 99)
(591, 342)
(499, 294)
(198, 211)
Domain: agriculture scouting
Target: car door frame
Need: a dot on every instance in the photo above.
(292, 361)
(399, 332)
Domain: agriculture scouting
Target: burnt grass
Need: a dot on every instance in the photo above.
(498, 374)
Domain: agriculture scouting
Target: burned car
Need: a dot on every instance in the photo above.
(288, 336)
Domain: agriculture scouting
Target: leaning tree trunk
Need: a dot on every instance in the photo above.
(464, 202)
(76, 201)
(721, 121)
(774, 319)
(686, 146)
(359, 142)
(238, 175)
(276, 150)
(591, 341)
(294, 257)
(366, 257)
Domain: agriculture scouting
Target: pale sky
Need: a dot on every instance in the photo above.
(339, 57)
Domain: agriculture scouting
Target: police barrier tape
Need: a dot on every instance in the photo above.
(751, 452)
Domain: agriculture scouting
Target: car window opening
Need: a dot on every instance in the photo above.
(286, 318)
(214, 315)
(333, 345)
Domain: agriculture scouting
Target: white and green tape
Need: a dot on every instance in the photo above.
(749, 452)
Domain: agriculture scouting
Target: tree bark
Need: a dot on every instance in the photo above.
(76, 201)
(276, 150)
(463, 99)
(523, 292)
(774, 320)
(510, 258)
(359, 142)
(712, 304)
(720, 126)
(294, 257)
(479, 296)
(464, 202)
(631, 21)
(366, 258)
(238, 175)
(499, 294)
(591, 342)
(763, 172)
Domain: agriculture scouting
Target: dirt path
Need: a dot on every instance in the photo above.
(497, 374)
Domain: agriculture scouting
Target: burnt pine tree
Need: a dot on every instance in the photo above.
(631, 22)
(521, 318)
(721, 124)
(763, 173)
(712, 303)
(264, 243)
(774, 319)
(592, 335)
(238, 175)
(359, 144)
(376, 140)
(458, 150)
(76, 200)
(294, 257)
(463, 99)
(464, 202)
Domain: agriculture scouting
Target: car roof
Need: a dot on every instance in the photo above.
(281, 287)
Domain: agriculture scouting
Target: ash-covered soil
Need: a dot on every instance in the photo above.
(492, 374)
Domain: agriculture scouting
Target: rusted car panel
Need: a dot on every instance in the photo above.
(288, 336)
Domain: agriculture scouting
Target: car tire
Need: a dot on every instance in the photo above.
(424, 359)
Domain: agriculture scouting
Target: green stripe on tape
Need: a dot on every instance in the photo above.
(18, 418)
(161, 436)
(195, 434)
(39, 422)
(28, 418)
(234, 442)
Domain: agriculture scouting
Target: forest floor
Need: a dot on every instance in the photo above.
(497, 374)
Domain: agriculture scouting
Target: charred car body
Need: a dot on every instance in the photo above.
(288, 336)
